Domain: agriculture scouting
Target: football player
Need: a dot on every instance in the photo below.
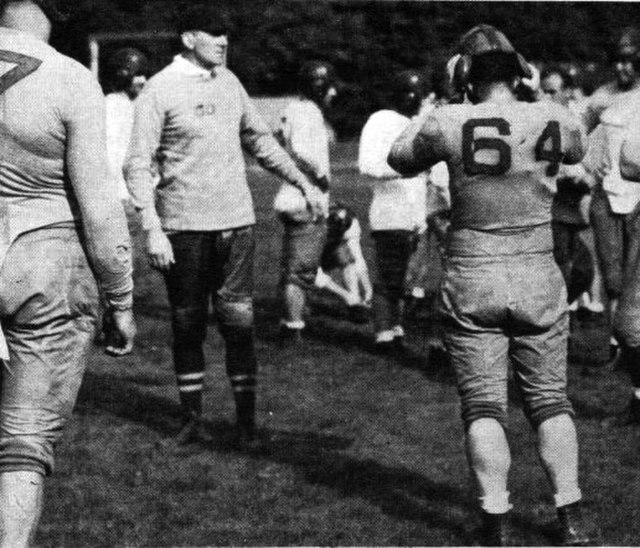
(503, 298)
(128, 70)
(623, 143)
(306, 136)
(61, 228)
(626, 62)
(397, 214)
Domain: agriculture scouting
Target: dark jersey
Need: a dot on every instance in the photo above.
(503, 159)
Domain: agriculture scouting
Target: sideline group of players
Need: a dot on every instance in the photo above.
(503, 298)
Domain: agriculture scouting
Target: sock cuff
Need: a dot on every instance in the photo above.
(567, 497)
(496, 503)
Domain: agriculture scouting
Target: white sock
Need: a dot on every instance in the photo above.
(384, 336)
(496, 503)
(567, 497)
(293, 325)
(418, 293)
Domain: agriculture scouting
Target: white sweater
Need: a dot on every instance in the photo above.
(399, 203)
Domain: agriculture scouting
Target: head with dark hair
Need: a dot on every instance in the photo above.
(128, 70)
(407, 90)
(627, 57)
(556, 84)
(317, 82)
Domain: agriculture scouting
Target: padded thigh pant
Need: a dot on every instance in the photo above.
(48, 308)
(502, 309)
(627, 320)
(216, 265)
(613, 238)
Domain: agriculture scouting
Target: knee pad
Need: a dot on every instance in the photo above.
(26, 454)
(537, 414)
(189, 324)
(234, 312)
(474, 410)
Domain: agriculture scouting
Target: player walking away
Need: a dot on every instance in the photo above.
(397, 214)
(53, 147)
(570, 214)
(194, 118)
(342, 259)
(627, 68)
(503, 298)
(128, 70)
(305, 135)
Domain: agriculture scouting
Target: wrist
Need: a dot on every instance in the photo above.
(120, 303)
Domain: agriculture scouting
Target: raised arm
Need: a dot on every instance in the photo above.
(419, 147)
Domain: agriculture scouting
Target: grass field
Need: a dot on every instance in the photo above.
(364, 450)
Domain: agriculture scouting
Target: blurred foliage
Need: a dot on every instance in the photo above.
(366, 41)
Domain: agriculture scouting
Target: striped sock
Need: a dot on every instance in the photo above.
(190, 389)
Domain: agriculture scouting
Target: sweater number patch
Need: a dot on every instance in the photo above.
(205, 110)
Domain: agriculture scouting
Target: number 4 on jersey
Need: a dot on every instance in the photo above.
(554, 154)
(24, 65)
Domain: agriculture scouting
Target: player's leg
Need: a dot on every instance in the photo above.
(627, 321)
(608, 233)
(234, 312)
(20, 507)
(302, 247)
(538, 350)
(188, 282)
(393, 250)
(478, 350)
(48, 304)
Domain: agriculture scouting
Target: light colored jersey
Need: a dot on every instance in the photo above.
(619, 141)
(503, 159)
(398, 203)
(306, 137)
(119, 121)
(40, 90)
(53, 158)
(193, 125)
(601, 99)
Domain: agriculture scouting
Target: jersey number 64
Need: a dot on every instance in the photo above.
(548, 147)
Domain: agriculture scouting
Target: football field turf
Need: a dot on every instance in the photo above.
(364, 450)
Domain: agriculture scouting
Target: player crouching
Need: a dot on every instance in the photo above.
(503, 298)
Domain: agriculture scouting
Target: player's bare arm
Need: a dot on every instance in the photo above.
(418, 148)
(101, 211)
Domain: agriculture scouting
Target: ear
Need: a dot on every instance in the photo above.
(188, 40)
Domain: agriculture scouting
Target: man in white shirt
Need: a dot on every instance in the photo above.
(306, 136)
(397, 214)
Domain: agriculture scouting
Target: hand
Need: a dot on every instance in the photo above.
(122, 331)
(159, 250)
(601, 172)
(316, 201)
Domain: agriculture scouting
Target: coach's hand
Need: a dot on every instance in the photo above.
(122, 332)
(159, 249)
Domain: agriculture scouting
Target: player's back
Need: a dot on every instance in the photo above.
(503, 160)
(39, 93)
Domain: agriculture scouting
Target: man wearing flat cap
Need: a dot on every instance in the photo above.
(193, 119)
